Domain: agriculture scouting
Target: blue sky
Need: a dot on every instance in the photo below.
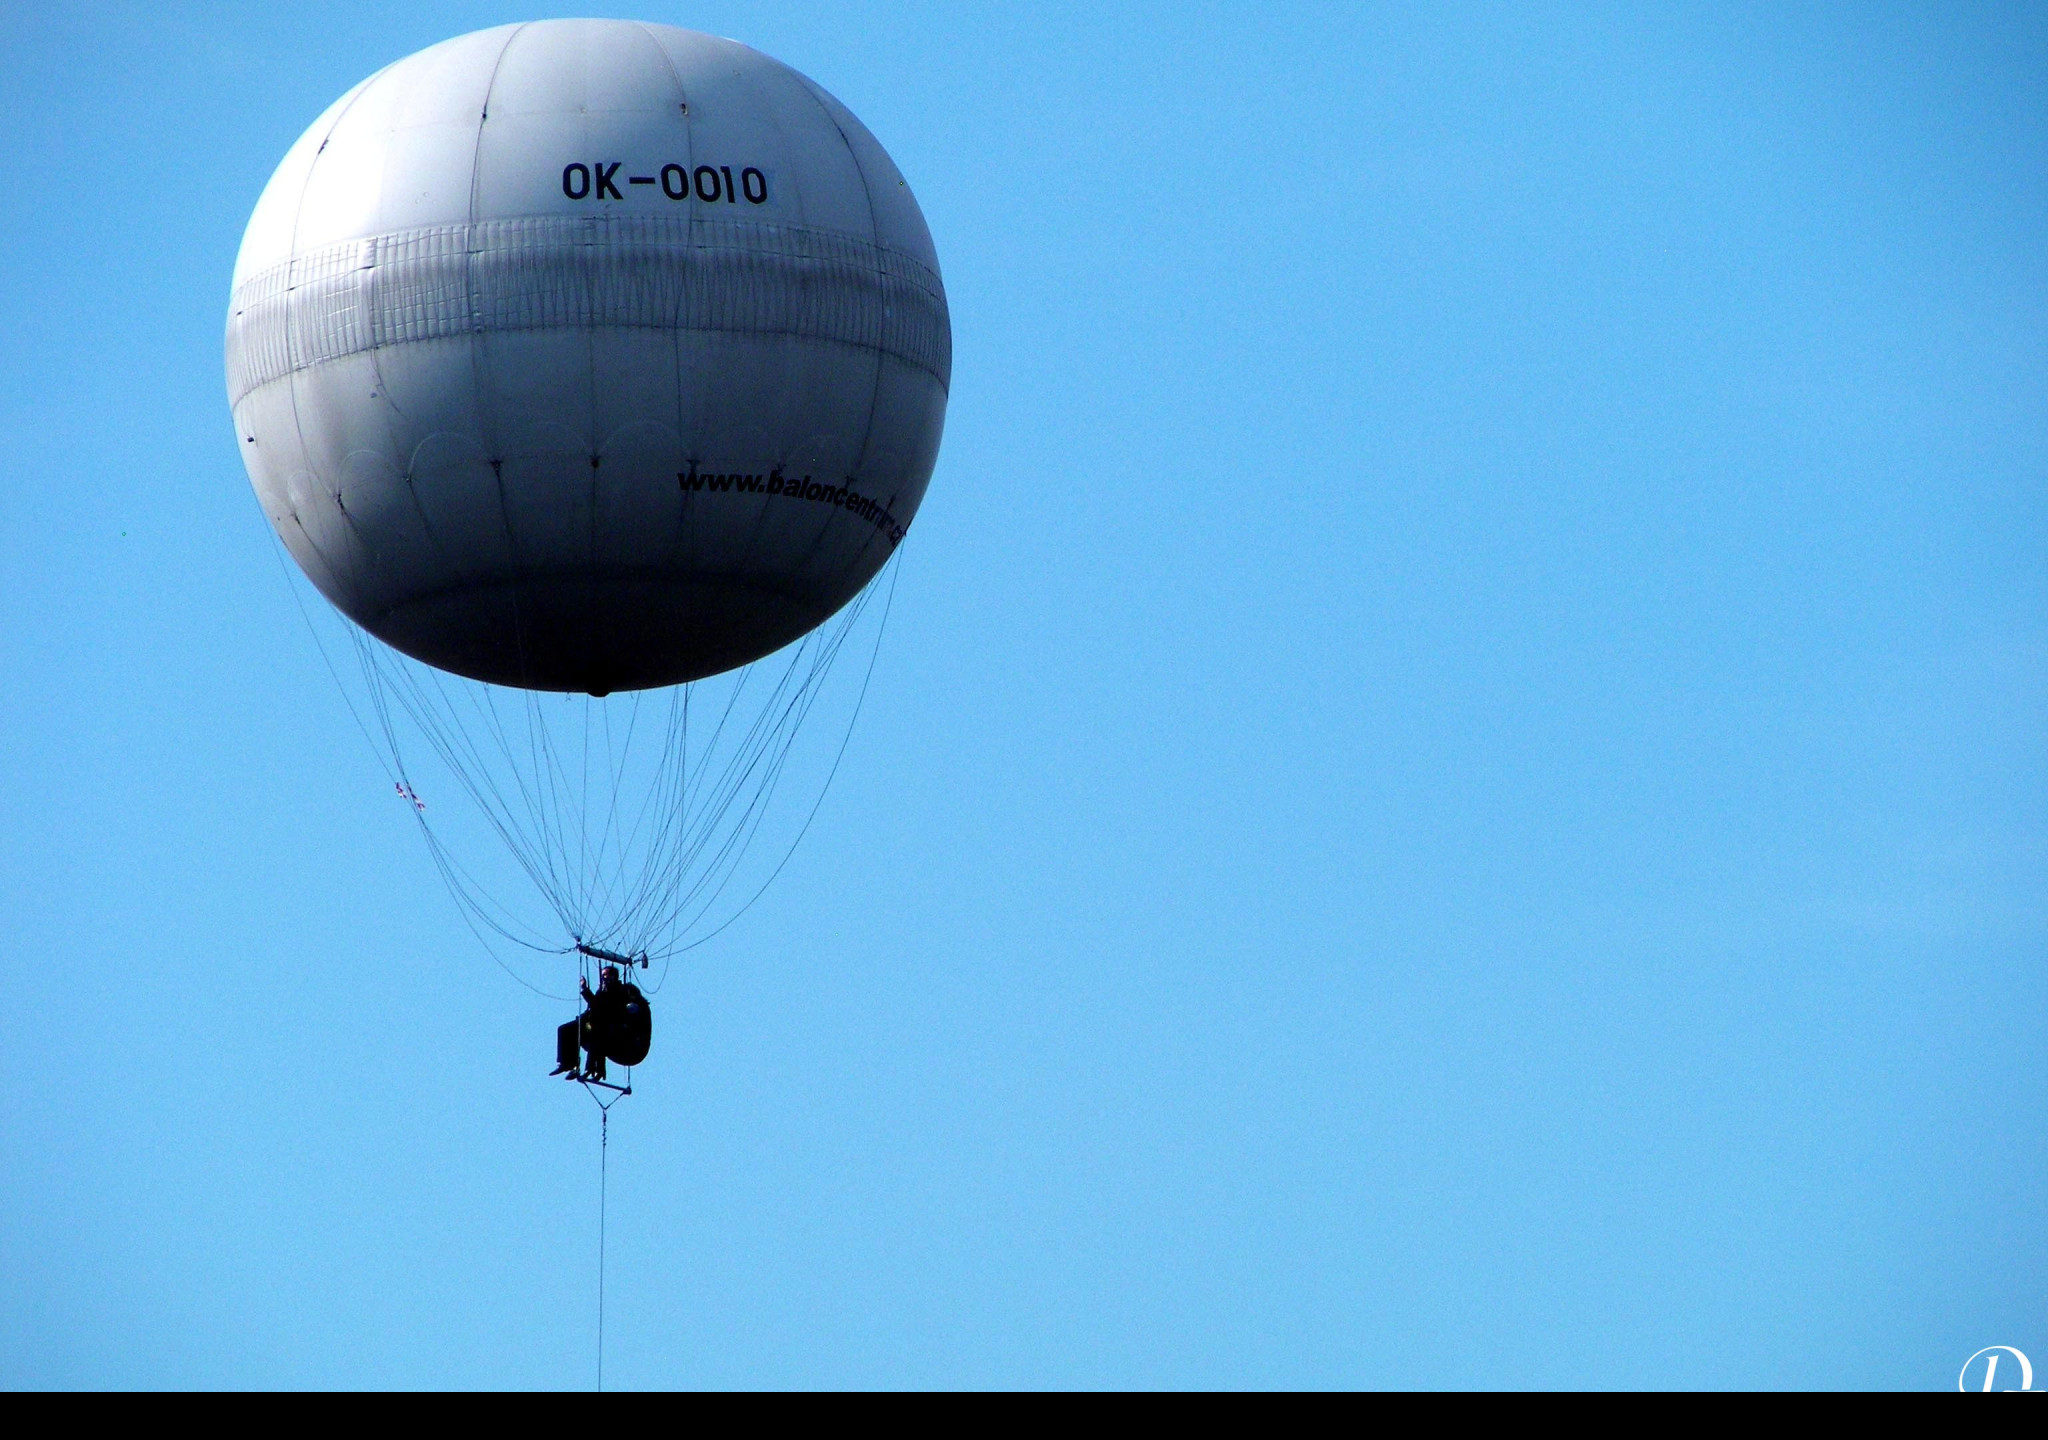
(1457, 772)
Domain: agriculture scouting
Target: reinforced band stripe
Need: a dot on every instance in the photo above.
(654, 272)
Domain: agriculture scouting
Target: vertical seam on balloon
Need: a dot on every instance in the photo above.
(752, 307)
(746, 552)
(875, 387)
(591, 260)
(292, 384)
(367, 293)
(469, 246)
(476, 345)
(806, 315)
(367, 296)
(675, 318)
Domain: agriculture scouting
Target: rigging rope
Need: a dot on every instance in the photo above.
(632, 824)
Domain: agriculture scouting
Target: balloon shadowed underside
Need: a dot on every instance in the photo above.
(588, 355)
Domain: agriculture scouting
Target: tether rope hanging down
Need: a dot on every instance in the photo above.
(604, 1146)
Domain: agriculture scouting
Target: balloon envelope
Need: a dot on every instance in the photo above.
(588, 355)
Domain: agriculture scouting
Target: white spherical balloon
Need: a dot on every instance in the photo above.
(588, 355)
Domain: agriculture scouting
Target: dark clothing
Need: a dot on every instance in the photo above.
(617, 1023)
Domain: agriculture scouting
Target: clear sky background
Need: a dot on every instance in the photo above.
(1454, 796)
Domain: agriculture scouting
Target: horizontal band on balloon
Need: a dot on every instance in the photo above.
(650, 272)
